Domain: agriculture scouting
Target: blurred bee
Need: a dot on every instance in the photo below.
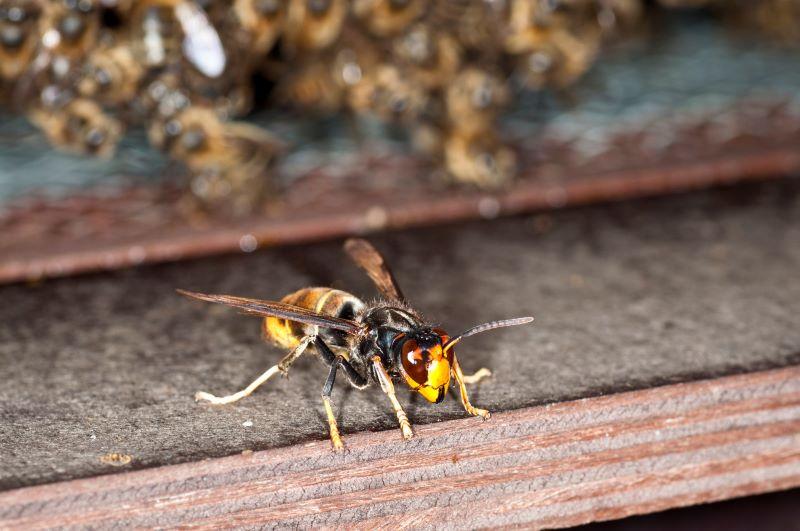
(311, 85)
(313, 24)
(432, 57)
(165, 25)
(194, 135)
(67, 29)
(474, 25)
(112, 75)
(372, 343)
(389, 94)
(262, 20)
(19, 36)
(162, 98)
(78, 126)
(554, 42)
(474, 98)
(228, 160)
(355, 55)
(71, 27)
(479, 158)
(557, 61)
(323, 81)
(386, 18)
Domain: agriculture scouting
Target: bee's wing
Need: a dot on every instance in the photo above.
(201, 43)
(370, 260)
(278, 309)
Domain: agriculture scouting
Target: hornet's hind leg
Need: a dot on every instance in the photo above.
(282, 366)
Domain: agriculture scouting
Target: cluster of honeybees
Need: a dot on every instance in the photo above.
(85, 70)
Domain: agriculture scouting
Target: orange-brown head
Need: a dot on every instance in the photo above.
(424, 363)
(426, 356)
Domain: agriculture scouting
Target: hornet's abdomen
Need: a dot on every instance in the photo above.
(325, 301)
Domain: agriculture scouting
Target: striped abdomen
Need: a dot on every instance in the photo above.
(326, 301)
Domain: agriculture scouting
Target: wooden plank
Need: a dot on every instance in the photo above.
(626, 297)
(547, 466)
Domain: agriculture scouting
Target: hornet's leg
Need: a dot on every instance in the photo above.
(335, 363)
(388, 388)
(459, 376)
(331, 359)
(282, 366)
(336, 439)
(479, 375)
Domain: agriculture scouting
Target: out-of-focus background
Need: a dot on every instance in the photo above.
(155, 130)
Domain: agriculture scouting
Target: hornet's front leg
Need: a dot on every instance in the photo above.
(462, 380)
(388, 388)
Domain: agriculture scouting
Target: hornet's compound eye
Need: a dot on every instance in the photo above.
(415, 361)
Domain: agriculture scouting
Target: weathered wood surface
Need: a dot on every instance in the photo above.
(626, 296)
(549, 466)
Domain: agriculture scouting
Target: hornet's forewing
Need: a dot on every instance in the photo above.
(278, 309)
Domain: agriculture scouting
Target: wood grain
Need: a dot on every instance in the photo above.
(557, 465)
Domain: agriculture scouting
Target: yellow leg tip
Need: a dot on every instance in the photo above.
(407, 432)
(201, 396)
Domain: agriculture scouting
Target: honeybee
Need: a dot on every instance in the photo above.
(474, 98)
(311, 85)
(164, 25)
(389, 94)
(79, 126)
(386, 18)
(559, 60)
(553, 43)
(19, 36)
(112, 75)
(475, 25)
(432, 57)
(71, 27)
(479, 158)
(381, 343)
(229, 161)
(313, 24)
(263, 21)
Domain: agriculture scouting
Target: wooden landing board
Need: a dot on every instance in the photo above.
(550, 466)
(628, 297)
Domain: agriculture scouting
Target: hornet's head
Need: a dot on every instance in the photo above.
(424, 363)
(427, 360)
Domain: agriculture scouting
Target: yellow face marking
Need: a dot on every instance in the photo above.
(438, 373)
(432, 394)
(438, 381)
